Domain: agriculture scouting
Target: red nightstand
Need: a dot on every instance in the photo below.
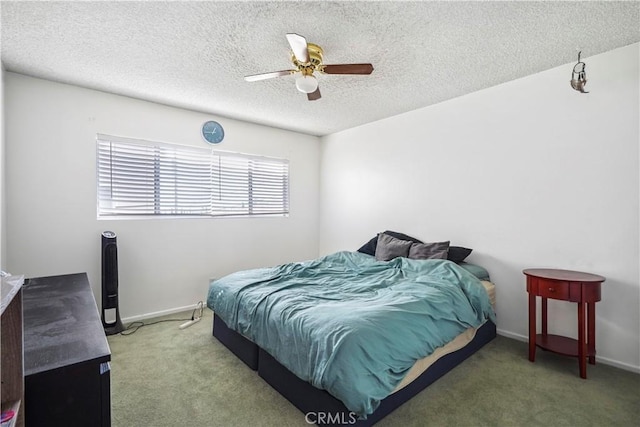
(565, 285)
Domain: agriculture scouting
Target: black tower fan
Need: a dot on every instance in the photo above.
(113, 325)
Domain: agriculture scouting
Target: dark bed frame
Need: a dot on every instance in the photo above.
(324, 408)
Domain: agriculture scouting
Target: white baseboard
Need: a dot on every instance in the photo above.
(616, 364)
(604, 360)
(511, 335)
(159, 313)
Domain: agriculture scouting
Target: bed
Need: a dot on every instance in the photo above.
(348, 338)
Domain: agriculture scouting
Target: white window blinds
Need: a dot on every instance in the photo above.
(142, 178)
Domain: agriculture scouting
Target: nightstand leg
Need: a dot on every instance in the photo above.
(544, 316)
(532, 327)
(582, 342)
(591, 332)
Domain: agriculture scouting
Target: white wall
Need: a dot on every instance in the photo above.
(163, 264)
(3, 240)
(528, 174)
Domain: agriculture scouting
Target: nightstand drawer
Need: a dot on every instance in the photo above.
(555, 290)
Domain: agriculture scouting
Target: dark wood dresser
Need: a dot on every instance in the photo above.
(66, 354)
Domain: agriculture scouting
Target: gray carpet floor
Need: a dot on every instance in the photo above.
(164, 376)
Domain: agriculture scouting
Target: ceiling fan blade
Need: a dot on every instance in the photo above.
(264, 76)
(299, 47)
(314, 95)
(348, 69)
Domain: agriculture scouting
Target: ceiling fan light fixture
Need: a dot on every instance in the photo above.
(306, 83)
(307, 59)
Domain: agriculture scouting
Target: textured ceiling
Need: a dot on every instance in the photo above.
(194, 54)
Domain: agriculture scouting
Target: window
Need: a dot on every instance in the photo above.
(142, 178)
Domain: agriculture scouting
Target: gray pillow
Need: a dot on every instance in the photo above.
(389, 247)
(437, 250)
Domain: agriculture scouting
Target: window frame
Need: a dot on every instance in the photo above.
(259, 189)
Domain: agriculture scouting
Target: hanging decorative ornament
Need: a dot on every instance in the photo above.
(578, 76)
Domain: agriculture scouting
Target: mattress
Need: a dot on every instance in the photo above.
(456, 344)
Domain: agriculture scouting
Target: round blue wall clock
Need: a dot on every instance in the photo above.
(212, 132)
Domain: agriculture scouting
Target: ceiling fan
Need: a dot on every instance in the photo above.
(307, 58)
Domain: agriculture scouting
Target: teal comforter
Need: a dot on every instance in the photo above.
(349, 324)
